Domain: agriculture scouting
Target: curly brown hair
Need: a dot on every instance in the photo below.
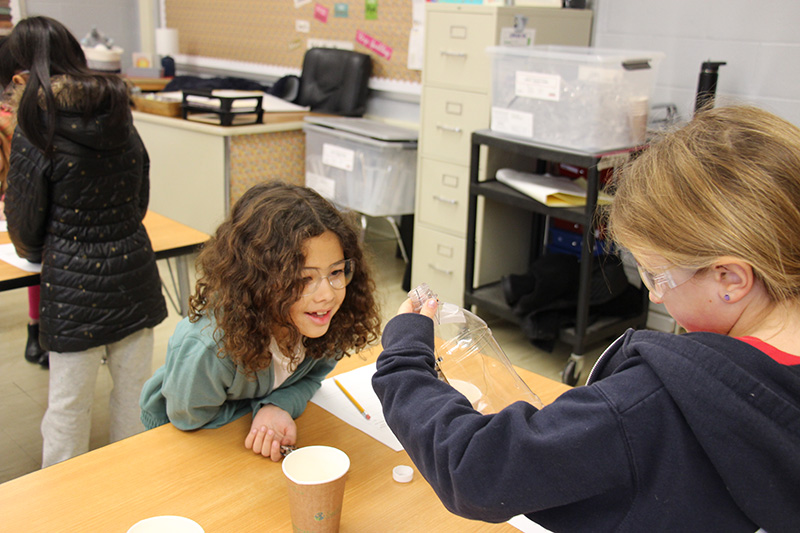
(249, 277)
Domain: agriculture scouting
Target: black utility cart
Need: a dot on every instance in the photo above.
(530, 156)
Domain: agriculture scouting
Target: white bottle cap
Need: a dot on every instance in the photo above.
(403, 473)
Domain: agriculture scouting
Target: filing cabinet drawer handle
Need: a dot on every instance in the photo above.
(441, 270)
(445, 127)
(453, 54)
(445, 200)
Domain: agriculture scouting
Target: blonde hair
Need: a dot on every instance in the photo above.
(726, 184)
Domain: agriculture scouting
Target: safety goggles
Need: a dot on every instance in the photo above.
(665, 278)
(338, 275)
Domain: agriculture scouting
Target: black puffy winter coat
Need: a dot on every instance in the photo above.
(79, 213)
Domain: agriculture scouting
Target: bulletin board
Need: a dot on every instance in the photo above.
(276, 32)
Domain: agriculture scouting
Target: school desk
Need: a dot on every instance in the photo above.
(208, 476)
(169, 238)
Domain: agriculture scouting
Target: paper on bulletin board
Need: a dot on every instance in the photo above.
(358, 383)
(416, 36)
(416, 46)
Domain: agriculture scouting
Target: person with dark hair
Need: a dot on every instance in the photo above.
(78, 189)
(284, 291)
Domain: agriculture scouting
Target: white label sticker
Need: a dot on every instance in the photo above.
(512, 37)
(538, 85)
(324, 185)
(512, 122)
(338, 157)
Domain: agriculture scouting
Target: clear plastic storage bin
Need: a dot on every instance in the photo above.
(361, 164)
(590, 99)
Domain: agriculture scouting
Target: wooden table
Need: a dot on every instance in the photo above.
(149, 84)
(169, 238)
(209, 476)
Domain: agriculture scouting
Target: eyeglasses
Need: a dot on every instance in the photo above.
(666, 278)
(339, 275)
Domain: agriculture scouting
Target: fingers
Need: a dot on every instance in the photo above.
(275, 450)
(429, 308)
(249, 441)
(265, 442)
(405, 307)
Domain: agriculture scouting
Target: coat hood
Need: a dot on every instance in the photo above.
(93, 133)
(744, 412)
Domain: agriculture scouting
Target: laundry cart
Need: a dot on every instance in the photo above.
(363, 165)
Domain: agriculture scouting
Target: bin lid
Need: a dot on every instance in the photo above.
(366, 128)
(579, 54)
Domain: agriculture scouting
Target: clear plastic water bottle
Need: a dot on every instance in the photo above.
(469, 358)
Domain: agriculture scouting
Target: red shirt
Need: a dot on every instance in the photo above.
(779, 356)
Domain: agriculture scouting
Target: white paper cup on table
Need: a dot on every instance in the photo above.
(315, 476)
(166, 524)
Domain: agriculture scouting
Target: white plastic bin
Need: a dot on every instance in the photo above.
(590, 99)
(362, 164)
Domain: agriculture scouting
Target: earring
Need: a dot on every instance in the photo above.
(727, 298)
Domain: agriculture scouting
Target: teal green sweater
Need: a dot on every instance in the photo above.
(195, 388)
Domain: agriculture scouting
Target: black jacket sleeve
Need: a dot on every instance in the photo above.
(26, 203)
(144, 190)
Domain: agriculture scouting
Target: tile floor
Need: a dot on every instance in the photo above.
(23, 386)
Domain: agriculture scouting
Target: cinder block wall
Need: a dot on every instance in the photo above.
(759, 41)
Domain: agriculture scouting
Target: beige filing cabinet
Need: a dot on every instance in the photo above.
(455, 101)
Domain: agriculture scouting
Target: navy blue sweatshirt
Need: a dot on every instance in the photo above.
(697, 432)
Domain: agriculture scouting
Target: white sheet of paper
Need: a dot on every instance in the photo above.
(358, 383)
(9, 255)
(523, 523)
(556, 191)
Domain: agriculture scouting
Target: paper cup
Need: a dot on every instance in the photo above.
(166, 524)
(315, 476)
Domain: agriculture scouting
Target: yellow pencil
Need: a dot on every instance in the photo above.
(352, 400)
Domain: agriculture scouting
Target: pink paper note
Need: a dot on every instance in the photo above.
(369, 42)
(321, 13)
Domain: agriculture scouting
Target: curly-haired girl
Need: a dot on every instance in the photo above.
(283, 292)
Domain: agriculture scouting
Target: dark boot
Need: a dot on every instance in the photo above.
(33, 352)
